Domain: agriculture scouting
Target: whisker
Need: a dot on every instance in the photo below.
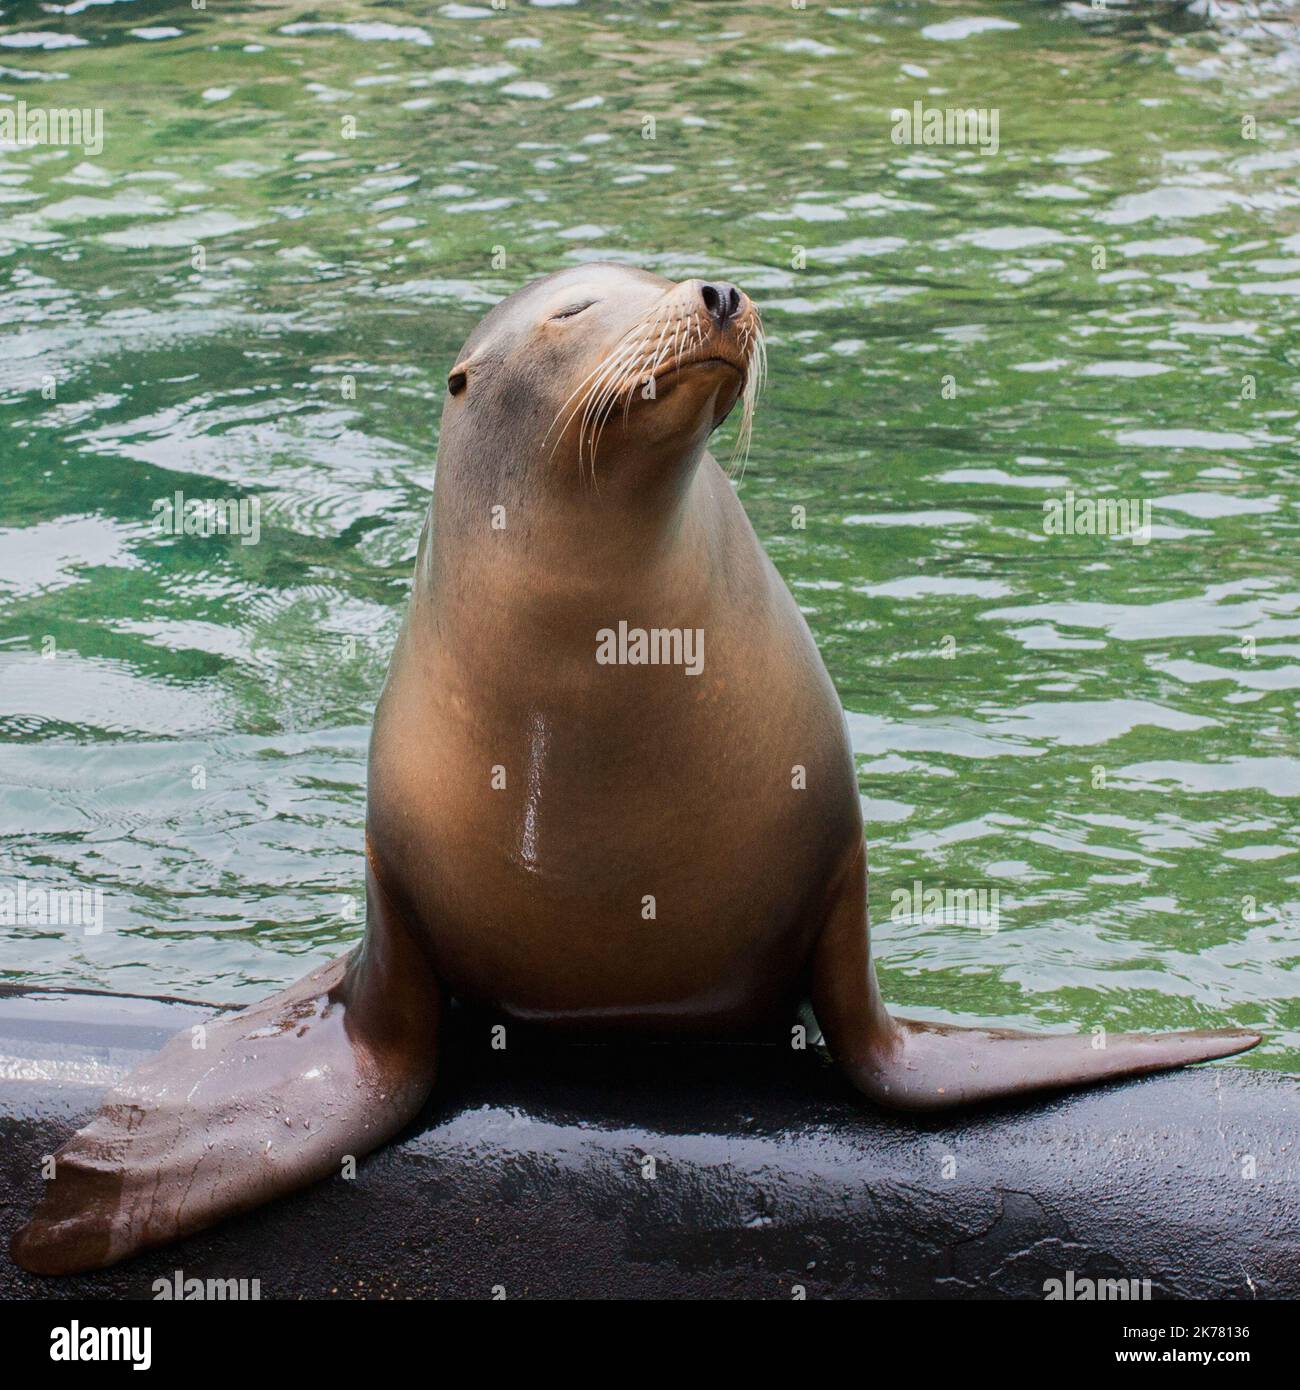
(586, 385)
(590, 389)
(635, 361)
(755, 349)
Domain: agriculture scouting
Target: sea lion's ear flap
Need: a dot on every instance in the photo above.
(457, 379)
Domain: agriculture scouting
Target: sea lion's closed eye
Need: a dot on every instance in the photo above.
(573, 310)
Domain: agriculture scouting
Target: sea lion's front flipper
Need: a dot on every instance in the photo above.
(247, 1107)
(908, 1065)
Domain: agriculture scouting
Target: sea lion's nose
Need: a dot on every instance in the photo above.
(721, 300)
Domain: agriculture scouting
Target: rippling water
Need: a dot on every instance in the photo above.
(256, 287)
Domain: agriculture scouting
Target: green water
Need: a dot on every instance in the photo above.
(989, 667)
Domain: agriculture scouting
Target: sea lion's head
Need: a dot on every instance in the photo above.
(602, 373)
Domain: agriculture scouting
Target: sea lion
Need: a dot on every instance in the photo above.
(610, 791)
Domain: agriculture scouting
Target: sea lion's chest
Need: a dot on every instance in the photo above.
(624, 839)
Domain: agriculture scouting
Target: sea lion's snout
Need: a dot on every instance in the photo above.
(700, 342)
(722, 302)
(705, 323)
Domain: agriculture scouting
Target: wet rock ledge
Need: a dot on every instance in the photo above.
(529, 1172)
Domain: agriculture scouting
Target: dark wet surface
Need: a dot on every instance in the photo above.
(531, 1172)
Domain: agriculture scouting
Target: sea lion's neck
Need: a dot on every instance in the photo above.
(552, 549)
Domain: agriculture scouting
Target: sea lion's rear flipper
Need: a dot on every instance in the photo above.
(247, 1107)
(907, 1065)
(926, 1066)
